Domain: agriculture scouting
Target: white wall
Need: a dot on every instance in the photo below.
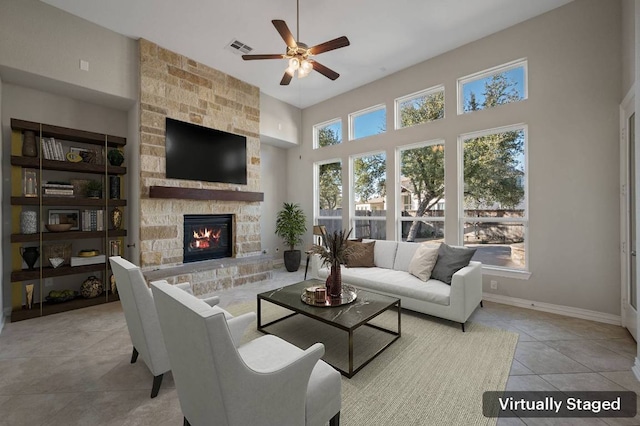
(279, 122)
(273, 168)
(34, 105)
(5, 254)
(572, 116)
(48, 43)
(628, 45)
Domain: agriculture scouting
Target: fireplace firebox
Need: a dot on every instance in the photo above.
(207, 236)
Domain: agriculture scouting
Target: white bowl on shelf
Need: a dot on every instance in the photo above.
(56, 261)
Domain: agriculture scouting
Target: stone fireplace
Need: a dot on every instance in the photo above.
(207, 236)
(175, 86)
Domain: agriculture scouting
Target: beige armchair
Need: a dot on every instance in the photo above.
(266, 382)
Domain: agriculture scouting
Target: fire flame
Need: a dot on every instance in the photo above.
(204, 238)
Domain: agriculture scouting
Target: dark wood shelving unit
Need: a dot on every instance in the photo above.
(67, 235)
(203, 194)
(55, 308)
(63, 201)
(48, 272)
(66, 166)
(58, 132)
(42, 166)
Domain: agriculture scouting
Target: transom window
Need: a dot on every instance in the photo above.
(368, 122)
(328, 133)
(493, 196)
(496, 86)
(420, 107)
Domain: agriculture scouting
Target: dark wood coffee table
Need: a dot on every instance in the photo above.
(349, 318)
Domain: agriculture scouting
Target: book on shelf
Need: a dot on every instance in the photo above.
(57, 192)
(91, 260)
(58, 185)
(93, 220)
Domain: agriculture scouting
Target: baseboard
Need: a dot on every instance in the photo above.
(554, 309)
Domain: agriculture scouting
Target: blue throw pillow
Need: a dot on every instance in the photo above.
(450, 260)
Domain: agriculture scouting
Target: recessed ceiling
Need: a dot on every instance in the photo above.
(385, 36)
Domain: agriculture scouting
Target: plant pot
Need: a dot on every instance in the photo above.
(94, 193)
(292, 260)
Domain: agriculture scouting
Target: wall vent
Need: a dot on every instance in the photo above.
(239, 47)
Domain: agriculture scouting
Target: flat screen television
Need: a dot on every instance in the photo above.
(195, 152)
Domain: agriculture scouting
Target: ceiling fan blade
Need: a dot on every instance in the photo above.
(286, 35)
(270, 56)
(286, 79)
(336, 43)
(327, 72)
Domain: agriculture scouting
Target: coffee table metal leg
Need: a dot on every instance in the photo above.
(259, 313)
(350, 354)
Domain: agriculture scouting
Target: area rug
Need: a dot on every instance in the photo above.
(433, 375)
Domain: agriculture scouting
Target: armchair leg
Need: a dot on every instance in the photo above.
(335, 420)
(462, 324)
(186, 422)
(481, 305)
(157, 381)
(134, 355)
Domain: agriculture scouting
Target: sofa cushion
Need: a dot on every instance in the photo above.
(362, 256)
(423, 261)
(450, 260)
(404, 254)
(398, 283)
(384, 253)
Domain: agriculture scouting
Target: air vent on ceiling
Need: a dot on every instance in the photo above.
(239, 47)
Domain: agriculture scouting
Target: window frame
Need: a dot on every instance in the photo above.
(354, 115)
(398, 165)
(525, 272)
(415, 95)
(317, 127)
(352, 196)
(316, 189)
(522, 62)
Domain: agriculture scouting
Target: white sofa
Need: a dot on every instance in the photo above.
(390, 276)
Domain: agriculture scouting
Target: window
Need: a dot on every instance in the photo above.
(329, 133)
(328, 203)
(421, 107)
(496, 86)
(368, 122)
(493, 196)
(369, 198)
(421, 191)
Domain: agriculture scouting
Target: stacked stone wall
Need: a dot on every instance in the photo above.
(172, 85)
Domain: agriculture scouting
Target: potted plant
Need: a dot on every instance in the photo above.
(334, 252)
(115, 157)
(290, 226)
(94, 189)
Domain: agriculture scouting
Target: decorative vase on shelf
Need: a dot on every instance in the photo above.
(114, 187)
(116, 218)
(29, 146)
(29, 222)
(30, 255)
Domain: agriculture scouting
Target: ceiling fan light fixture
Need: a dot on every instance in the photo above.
(306, 66)
(294, 63)
(302, 73)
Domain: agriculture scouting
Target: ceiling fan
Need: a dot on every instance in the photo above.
(299, 55)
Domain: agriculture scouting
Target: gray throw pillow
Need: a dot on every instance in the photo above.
(450, 260)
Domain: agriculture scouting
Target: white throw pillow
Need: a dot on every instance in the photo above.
(423, 262)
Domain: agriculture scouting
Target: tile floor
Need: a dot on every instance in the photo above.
(73, 368)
